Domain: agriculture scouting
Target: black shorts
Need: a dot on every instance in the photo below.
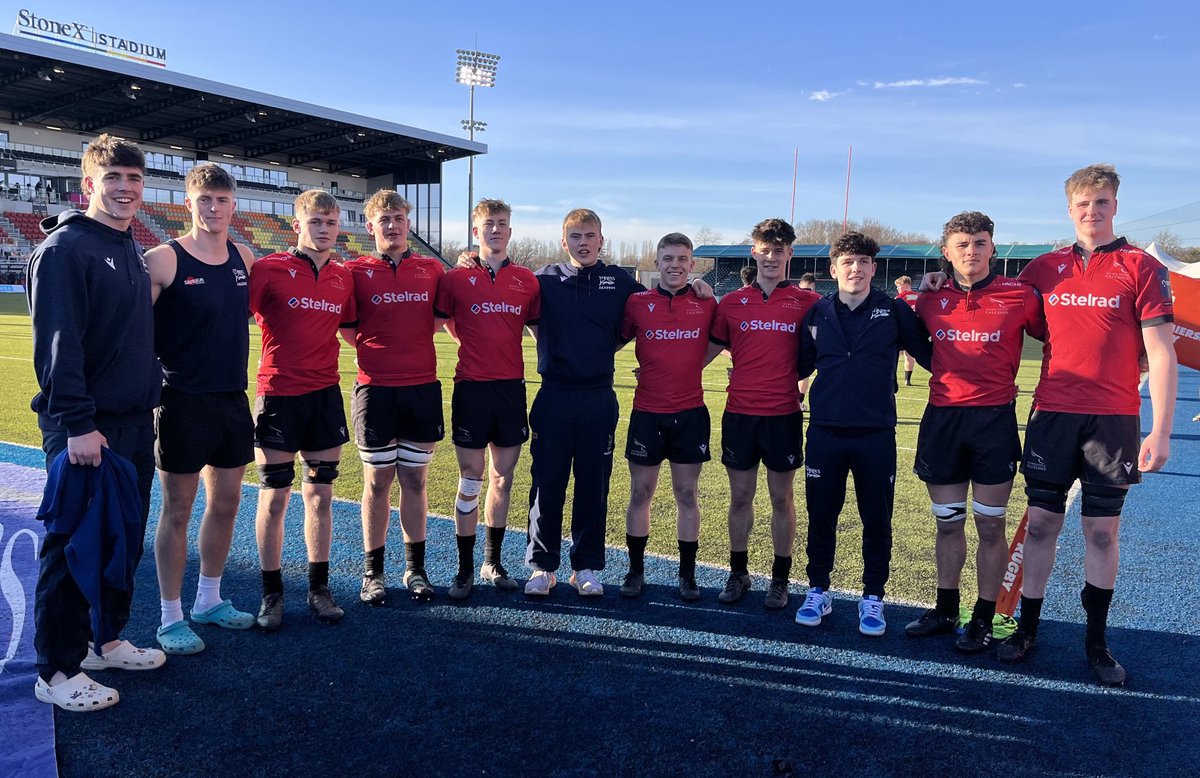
(1060, 447)
(680, 437)
(386, 413)
(313, 421)
(957, 444)
(778, 441)
(194, 430)
(483, 412)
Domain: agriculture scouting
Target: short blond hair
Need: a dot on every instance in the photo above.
(316, 201)
(485, 208)
(1093, 177)
(581, 216)
(110, 151)
(903, 281)
(385, 200)
(209, 175)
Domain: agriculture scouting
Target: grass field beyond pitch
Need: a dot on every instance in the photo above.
(912, 560)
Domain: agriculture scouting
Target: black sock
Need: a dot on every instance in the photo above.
(318, 575)
(908, 376)
(414, 555)
(948, 602)
(373, 563)
(739, 562)
(466, 553)
(985, 611)
(637, 552)
(1031, 613)
(781, 568)
(272, 581)
(492, 543)
(1095, 603)
(687, 558)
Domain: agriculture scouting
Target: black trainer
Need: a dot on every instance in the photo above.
(270, 615)
(931, 622)
(976, 638)
(418, 585)
(321, 603)
(737, 585)
(1108, 670)
(498, 576)
(1016, 646)
(777, 594)
(688, 590)
(373, 591)
(460, 587)
(633, 585)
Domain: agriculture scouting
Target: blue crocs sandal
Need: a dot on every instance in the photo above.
(178, 638)
(223, 614)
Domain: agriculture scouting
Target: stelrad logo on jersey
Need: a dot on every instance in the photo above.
(1071, 300)
(968, 336)
(758, 325)
(482, 308)
(672, 334)
(309, 304)
(388, 298)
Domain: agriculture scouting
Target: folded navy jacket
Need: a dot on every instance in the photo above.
(100, 509)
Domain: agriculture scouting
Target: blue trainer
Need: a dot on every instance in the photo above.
(870, 616)
(817, 603)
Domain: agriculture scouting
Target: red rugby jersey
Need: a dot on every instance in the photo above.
(1094, 321)
(909, 297)
(763, 338)
(977, 336)
(489, 318)
(671, 333)
(299, 310)
(396, 318)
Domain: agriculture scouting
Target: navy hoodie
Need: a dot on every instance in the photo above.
(855, 385)
(93, 325)
(579, 331)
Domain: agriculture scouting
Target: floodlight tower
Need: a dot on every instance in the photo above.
(475, 68)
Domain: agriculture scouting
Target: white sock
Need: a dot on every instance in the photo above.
(208, 593)
(172, 611)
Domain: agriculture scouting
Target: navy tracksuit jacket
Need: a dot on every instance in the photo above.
(574, 415)
(852, 424)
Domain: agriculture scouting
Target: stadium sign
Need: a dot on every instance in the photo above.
(83, 36)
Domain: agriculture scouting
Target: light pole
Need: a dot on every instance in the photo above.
(475, 68)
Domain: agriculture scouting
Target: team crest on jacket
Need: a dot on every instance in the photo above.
(879, 313)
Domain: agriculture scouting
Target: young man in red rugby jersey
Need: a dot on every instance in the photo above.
(299, 298)
(968, 435)
(1102, 297)
(904, 291)
(397, 400)
(759, 324)
(670, 326)
(490, 304)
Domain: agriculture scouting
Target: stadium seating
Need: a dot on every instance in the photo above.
(172, 219)
(28, 224)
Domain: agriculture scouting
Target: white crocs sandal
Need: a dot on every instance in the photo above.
(126, 656)
(79, 694)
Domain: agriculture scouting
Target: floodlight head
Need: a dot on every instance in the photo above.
(476, 68)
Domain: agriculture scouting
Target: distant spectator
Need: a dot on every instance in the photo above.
(749, 275)
(807, 281)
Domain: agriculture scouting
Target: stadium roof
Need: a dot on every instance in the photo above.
(48, 85)
(891, 251)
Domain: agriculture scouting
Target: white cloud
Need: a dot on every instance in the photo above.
(1018, 85)
(824, 95)
(927, 82)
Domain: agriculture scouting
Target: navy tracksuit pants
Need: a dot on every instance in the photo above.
(63, 625)
(831, 456)
(573, 431)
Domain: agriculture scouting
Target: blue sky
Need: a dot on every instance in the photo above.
(670, 116)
